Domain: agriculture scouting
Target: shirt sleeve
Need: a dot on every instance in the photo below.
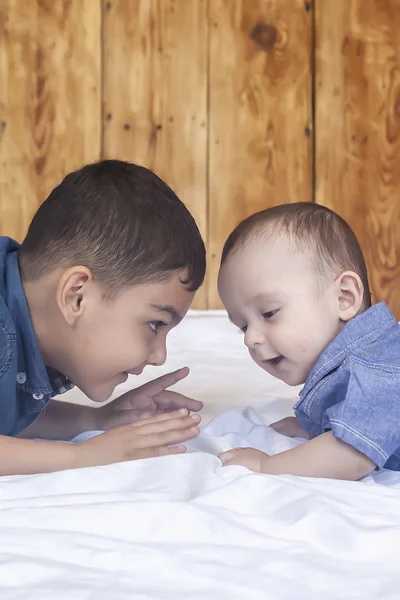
(368, 417)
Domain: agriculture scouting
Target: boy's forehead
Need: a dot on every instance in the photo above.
(169, 295)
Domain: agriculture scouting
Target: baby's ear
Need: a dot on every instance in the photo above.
(350, 295)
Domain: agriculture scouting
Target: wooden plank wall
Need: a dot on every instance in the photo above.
(237, 104)
(260, 143)
(357, 129)
(50, 100)
(155, 94)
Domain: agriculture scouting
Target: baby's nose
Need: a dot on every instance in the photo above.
(254, 337)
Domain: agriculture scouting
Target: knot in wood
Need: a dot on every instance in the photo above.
(264, 35)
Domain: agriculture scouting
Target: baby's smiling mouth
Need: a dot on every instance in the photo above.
(273, 361)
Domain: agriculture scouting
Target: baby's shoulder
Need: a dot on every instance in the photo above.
(381, 353)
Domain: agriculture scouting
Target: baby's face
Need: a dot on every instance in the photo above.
(114, 339)
(287, 314)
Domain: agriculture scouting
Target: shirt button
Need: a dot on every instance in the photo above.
(21, 377)
(37, 396)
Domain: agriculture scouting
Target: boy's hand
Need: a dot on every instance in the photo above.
(245, 457)
(143, 439)
(149, 399)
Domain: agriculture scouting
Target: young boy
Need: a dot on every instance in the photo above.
(109, 266)
(293, 279)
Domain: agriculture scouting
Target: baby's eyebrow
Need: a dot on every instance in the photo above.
(266, 296)
(170, 310)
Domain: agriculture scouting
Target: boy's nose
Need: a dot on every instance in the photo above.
(253, 337)
(158, 355)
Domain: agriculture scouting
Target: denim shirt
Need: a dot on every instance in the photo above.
(26, 385)
(354, 388)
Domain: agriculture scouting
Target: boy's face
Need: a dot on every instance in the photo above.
(287, 313)
(111, 340)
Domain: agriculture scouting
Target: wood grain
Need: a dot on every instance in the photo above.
(49, 100)
(358, 129)
(260, 113)
(155, 94)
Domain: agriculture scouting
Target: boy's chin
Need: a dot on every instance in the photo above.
(98, 393)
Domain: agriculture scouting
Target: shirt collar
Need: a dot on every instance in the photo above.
(366, 327)
(39, 379)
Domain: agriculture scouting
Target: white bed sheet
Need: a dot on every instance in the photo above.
(184, 527)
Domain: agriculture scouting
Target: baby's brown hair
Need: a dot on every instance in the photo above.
(310, 226)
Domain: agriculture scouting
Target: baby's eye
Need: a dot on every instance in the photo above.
(270, 314)
(243, 329)
(155, 325)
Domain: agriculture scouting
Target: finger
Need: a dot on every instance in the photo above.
(173, 400)
(152, 388)
(175, 424)
(162, 451)
(167, 438)
(230, 454)
(225, 457)
(177, 449)
(158, 418)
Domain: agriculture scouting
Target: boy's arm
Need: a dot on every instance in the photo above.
(323, 456)
(155, 436)
(61, 421)
(24, 457)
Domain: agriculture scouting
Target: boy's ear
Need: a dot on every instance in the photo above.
(71, 292)
(350, 295)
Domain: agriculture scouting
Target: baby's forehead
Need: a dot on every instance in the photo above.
(277, 247)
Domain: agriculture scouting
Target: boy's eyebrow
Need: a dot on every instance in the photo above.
(170, 310)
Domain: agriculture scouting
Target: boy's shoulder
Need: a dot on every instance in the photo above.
(25, 386)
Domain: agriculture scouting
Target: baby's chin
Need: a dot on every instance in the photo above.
(289, 377)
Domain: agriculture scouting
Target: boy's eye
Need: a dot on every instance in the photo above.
(155, 325)
(270, 314)
(243, 329)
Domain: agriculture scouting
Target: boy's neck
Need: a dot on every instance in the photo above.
(40, 297)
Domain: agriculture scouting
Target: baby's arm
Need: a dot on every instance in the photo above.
(324, 456)
(290, 427)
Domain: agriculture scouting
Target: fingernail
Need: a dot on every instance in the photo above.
(183, 411)
(196, 418)
(194, 429)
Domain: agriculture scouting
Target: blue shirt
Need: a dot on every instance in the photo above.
(354, 388)
(26, 385)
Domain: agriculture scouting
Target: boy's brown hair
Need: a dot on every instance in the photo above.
(122, 222)
(311, 227)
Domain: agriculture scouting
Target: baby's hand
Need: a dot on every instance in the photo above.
(246, 457)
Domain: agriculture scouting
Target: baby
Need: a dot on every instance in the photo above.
(294, 280)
